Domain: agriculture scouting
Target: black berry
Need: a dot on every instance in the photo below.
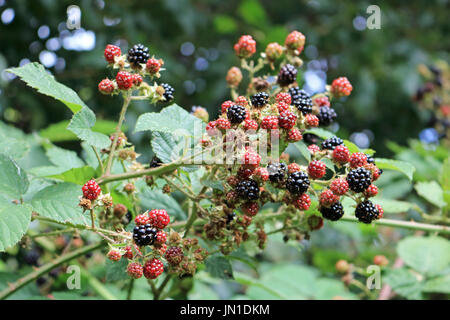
(287, 75)
(326, 116)
(297, 182)
(359, 179)
(301, 100)
(168, 91)
(370, 159)
(155, 162)
(334, 212)
(259, 100)
(236, 114)
(144, 235)
(248, 190)
(366, 211)
(277, 171)
(332, 143)
(138, 54)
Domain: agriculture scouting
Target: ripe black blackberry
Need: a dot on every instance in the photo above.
(310, 138)
(260, 99)
(138, 54)
(326, 116)
(230, 217)
(370, 159)
(287, 75)
(332, 143)
(144, 235)
(366, 211)
(236, 114)
(359, 179)
(248, 189)
(297, 182)
(301, 100)
(334, 212)
(168, 91)
(277, 171)
(155, 162)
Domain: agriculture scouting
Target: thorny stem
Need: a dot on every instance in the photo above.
(13, 287)
(100, 162)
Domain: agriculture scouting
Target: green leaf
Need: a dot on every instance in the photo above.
(60, 202)
(82, 124)
(116, 270)
(404, 283)
(13, 179)
(432, 192)
(76, 175)
(402, 166)
(155, 199)
(301, 146)
(14, 222)
(327, 289)
(63, 158)
(439, 284)
(165, 147)
(252, 12)
(16, 149)
(324, 134)
(394, 206)
(224, 24)
(34, 75)
(426, 255)
(219, 267)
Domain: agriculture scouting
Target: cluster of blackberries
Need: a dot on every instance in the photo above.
(144, 235)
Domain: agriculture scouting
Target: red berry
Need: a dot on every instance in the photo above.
(91, 190)
(380, 211)
(322, 101)
(250, 125)
(245, 172)
(311, 120)
(251, 159)
(242, 101)
(106, 86)
(223, 124)
(261, 174)
(245, 47)
(137, 79)
(295, 40)
(315, 222)
(159, 218)
(269, 122)
(174, 255)
(250, 208)
(141, 219)
(294, 135)
(358, 159)
(114, 255)
(302, 202)
(225, 105)
(124, 80)
(161, 237)
(211, 128)
(316, 169)
(162, 249)
(282, 106)
(128, 253)
(341, 87)
(313, 148)
(371, 191)
(153, 268)
(293, 167)
(135, 270)
(374, 170)
(339, 186)
(153, 65)
(328, 198)
(283, 97)
(287, 119)
(341, 154)
(112, 51)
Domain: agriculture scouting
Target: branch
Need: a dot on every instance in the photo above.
(13, 287)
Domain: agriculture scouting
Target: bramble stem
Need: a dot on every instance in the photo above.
(100, 162)
(161, 287)
(13, 287)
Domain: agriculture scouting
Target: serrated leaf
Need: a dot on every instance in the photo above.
(432, 192)
(165, 147)
(76, 175)
(322, 133)
(404, 283)
(14, 222)
(155, 199)
(301, 146)
(16, 149)
(116, 270)
(13, 179)
(63, 158)
(427, 255)
(82, 124)
(219, 267)
(401, 166)
(60, 202)
(34, 75)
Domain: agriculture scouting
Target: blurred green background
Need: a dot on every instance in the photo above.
(195, 39)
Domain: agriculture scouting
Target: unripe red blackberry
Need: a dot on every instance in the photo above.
(317, 169)
(326, 116)
(250, 208)
(159, 218)
(380, 211)
(91, 190)
(293, 167)
(342, 266)
(245, 172)
(135, 270)
(248, 190)
(341, 87)
(380, 260)
(287, 75)
(282, 106)
(141, 219)
(106, 86)
(114, 255)
(283, 97)
(174, 255)
(339, 186)
(313, 148)
(302, 202)
(328, 198)
(251, 159)
(294, 135)
(245, 47)
(297, 182)
(322, 101)
(211, 128)
(277, 171)
(295, 40)
(161, 237)
(250, 125)
(371, 191)
(359, 179)
(153, 65)
(358, 159)
(261, 174)
(234, 77)
(334, 212)
(128, 253)
(242, 101)
(332, 143)
(153, 268)
(259, 99)
(225, 105)
(311, 121)
(287, 120)
(222, 124)
(112, 51)
(236, 114)
(366, 212)
(269, 122)
(124, 80)
(138, 54)
(341, 154)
